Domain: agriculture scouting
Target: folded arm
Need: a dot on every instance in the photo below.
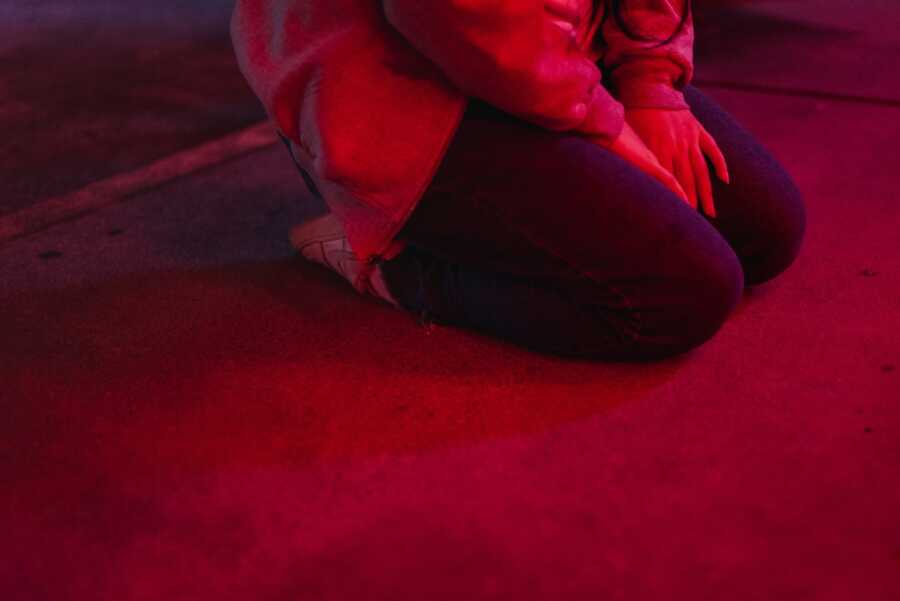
(510, 54)
(649, 78)
(644, 73)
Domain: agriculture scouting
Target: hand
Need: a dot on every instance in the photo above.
(630, 147)
(680, 142)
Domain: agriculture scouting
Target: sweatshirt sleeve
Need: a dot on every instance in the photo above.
(645, 74)
(510, 54)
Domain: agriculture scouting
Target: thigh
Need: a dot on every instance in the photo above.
(761, 212)
(516, 198)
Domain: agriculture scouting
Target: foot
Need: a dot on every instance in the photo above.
(322, 240)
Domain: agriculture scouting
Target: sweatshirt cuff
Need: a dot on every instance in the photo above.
(636, 87)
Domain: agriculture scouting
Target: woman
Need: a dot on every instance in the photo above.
(537, 170)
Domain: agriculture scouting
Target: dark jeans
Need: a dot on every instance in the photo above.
(549, 241)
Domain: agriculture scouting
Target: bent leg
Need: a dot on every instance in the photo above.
(551, 241)
(761, 212)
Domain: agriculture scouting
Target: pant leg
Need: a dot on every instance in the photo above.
(550, 241)
(761, 213)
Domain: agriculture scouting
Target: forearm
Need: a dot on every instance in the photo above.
(508, 53)
(645, 73)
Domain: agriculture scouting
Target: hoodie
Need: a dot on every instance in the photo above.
(369, 93)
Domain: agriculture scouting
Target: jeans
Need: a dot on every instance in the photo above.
(548, 241)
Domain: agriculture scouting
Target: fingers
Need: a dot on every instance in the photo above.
(709, 146)
(660, 168)
(684, 172)
(667, 163)
(667, 177)
(704, 185)
(671, 182)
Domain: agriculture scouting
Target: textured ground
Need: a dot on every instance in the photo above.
(192, 413)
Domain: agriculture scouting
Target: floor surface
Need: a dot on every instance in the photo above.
(191, 412)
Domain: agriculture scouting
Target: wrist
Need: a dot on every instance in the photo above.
(647, 84)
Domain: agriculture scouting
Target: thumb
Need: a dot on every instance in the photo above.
(671, 182)
(664, 176)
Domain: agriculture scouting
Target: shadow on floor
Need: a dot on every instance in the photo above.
(256, 364)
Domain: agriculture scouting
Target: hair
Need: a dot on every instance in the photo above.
(617, 10)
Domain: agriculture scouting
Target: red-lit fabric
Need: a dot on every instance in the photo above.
(510, 54)
(643, 72)
(370, 93)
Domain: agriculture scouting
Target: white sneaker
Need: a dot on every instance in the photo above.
(322, 240)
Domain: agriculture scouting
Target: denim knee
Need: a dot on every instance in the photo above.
(780, 237)
(690, 307)
(723, 288)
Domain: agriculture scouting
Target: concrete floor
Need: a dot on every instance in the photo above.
(91, 88)
(193, 413)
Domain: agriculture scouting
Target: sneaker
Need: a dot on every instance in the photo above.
(322, 240)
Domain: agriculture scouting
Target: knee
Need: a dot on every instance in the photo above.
(709, 299)
(688, 305)
(779, 236)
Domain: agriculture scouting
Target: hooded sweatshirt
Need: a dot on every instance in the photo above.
(369, 93)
